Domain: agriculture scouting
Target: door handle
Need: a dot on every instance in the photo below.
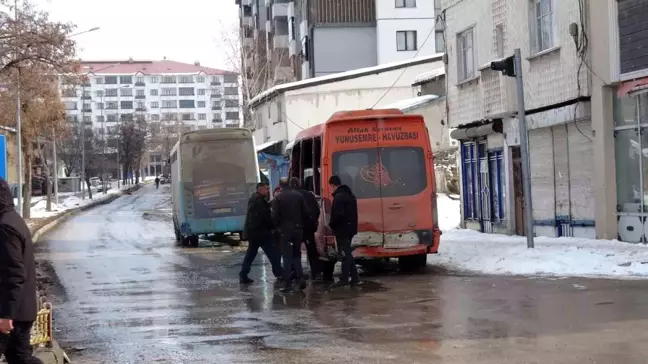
(396, 206)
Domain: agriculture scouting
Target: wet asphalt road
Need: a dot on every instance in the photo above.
(129, 295)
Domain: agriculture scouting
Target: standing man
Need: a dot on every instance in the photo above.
(289, 212)
(17, 283)
(344, 223)
(258, 229)
(310, 226)
(157, 182)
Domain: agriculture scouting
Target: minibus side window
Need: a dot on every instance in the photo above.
(309, 166)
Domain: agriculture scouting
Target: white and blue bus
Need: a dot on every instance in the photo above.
(213, 174)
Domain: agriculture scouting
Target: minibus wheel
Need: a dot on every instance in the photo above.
(194, 240)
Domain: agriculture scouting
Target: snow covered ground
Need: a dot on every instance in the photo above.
(38, 210)
(468, 250)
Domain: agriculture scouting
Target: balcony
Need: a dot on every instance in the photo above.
(140, 96)
(87, 122)
(140, 84)
(217, 121)
(216, 96)
(215, 83)
(217, 108)
(86, 110)
(280, 9)
(86, 97)
(86, 85)
(280, 41)
(140, 109)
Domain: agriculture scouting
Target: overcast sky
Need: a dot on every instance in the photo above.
(181, 30)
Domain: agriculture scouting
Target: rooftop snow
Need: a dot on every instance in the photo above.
(343, 76)
(407, 104)
(429, 76)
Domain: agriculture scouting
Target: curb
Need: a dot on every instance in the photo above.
(55, 354)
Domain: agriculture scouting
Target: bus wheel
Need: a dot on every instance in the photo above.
(185, 241)
(194, 240)
(177, 233)
(412, 263)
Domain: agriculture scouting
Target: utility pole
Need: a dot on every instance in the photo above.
(82, 141)
(512, 67)
(56, 196)
(18, 125)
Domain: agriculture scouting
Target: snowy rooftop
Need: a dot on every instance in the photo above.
(429, 76)
(342, 76)
(413, 103)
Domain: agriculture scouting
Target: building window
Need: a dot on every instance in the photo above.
(439, 41)
(154, 80)
(202, 92)
(202, 116)
(230, 78)
(169, 104)
(186, 79)
(70, 92)
(168, 92)
(499, 41)
(187, 104)
(168, 79)
(100, 119)
(405, 3)
(87, 106)
(200, 79)
(496, 176)
(202, 104)
(99, 93)
(140, 80)
(100, 105)
(406, 40)
(231, 91)
(154, 92)
(111, 118)
(110, 80)
(125, 92)
(111, 92)
(72, 118)
(465, 55)
(70, 105)
(111, 105)
(87, 119)
(186, 117)
(126, 105)
(141, 105)
(231, 103)
(99, 80)
(126, 117)
(139, 93)
(186, 91)
(155, 105)
(155, 117)
(125, 80)
(543, 30)
(231, 116)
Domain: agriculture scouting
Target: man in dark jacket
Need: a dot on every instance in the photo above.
(258, 229)
(310, 226)
(289, 212)
(17, 283)
(344, 223)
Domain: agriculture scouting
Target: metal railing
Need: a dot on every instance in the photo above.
(43, 326)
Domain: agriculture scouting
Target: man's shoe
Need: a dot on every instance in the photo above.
(302, 285)
(246, 280)
(286, 289)
(340, 284)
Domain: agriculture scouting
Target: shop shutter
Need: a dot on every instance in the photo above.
(581, 171)
(542, 173)
(561, 170)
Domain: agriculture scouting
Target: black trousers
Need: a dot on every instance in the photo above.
(349, 269)
(313, 255)
(291, 241)
(16, 346)
(267, 244)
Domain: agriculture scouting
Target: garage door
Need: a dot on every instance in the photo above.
(581, 170)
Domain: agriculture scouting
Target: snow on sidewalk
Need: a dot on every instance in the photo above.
(468, 250)
(38, 210)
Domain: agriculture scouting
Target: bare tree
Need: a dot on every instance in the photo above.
(132, 135)
(163, 135)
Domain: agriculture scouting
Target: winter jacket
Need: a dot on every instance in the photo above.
(344, 212)
(258, 221)
(289, 211)
(17, 266)
(313, 211)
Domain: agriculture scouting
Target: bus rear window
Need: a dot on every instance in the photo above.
(382, 172)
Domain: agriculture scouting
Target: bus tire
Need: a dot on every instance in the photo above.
(412, 263)
(178, 236)
(194, 240)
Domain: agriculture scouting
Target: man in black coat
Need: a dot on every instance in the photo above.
(17, 283)
(344, 223)
(289, 213)
(310, 225)
(258, 229)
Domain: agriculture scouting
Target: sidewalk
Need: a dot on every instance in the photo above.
(468, 250)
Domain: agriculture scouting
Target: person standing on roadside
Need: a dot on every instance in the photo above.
(18, 299)
(344, 223)
(289, 212)
(310, 226)
(258, 229)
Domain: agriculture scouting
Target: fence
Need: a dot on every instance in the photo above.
(42, 330)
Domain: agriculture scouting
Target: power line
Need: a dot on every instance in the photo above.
(405, 69)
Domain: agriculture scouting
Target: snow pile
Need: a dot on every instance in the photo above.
(469, 250)
(500, 254)
(67, 203)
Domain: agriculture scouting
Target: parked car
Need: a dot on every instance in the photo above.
(164, 179)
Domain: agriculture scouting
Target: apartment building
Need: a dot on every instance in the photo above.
(482, 106)
(289, 40)
(188, 96)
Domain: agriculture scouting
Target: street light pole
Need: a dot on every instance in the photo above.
(56, 196)
(18, 126)
(82, 140)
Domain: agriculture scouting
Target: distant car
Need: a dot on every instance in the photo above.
(164, 179)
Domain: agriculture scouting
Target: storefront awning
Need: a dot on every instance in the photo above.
(477, 131)
(632, 86)
(265, 147)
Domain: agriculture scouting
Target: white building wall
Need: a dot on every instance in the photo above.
(302, 108)
(390, 19)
